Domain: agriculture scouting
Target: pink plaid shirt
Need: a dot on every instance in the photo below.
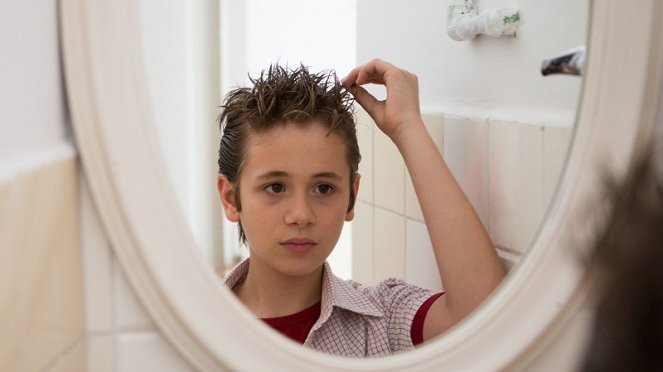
(357, 320)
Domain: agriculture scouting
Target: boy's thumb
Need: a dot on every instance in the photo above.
(366, 100)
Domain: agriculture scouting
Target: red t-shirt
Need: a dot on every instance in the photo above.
(297, 326)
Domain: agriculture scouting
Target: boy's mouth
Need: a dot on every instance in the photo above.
(298, 245)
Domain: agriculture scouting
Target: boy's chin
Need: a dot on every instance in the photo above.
(300, 267)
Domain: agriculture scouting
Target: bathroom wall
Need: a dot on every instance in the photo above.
(65, 304)
(504, 144)
(503, 128)
(120, 334)
(42, 314)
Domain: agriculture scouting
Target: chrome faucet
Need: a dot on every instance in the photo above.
(569, 62)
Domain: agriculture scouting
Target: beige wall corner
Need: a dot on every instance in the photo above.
(41, 249)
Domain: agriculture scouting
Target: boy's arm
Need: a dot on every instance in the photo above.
(466, 259)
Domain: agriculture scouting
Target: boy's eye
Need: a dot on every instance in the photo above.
(324, 189)
(275, 188)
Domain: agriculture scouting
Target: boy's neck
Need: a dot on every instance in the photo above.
(268, 293)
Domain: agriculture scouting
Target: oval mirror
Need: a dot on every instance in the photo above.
(114, 119)
(503, 127)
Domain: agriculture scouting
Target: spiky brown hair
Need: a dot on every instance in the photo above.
(282, 95)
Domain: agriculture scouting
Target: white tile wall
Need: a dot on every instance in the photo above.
(515, 166)
(120, 334)
(101, 353)
(129, 313)
(435, 126)
(420, 264)
(389, 248)
(412, 206)
(147, 352)
(365, 139)
(388, 174)
(72, 360)
(362, 244)
(466, 155)
(501, 166)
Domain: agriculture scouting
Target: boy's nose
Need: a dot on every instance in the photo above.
(300, 212)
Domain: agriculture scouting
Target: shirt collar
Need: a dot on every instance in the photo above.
(346, 294)
(336, 292)
(237, 274)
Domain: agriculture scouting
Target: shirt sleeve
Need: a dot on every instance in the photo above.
(417, 329)
(400, 302)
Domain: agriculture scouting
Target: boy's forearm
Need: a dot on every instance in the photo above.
(466, 259)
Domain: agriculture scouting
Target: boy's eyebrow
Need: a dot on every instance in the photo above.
(327, 175)
(273, 174)
(276, 174)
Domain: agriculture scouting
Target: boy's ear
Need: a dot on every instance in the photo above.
(350, 215)
(227, 196)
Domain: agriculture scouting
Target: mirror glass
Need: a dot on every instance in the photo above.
(502, 127)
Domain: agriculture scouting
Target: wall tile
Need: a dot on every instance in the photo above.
(389, 245)
(420, 264)
(515, 183)
(75, 360)
(97, 267)
(50, 301)
(129, 312)
(365, 139)
(412, 206)
(435, 126)
(147, 352)
(340, 258)
(466, 155)
(8, 276)
(556, 142)
(362, 244)
(388, 174)
(101, 353)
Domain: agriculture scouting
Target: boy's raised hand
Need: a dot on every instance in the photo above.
(467, 262)
(400, 108)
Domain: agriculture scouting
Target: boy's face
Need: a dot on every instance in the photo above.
(295, 192)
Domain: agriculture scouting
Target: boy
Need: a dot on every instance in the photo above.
(288, 163)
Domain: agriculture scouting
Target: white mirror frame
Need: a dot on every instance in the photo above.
(110, 109)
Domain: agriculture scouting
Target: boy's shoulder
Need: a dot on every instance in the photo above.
(380, 297)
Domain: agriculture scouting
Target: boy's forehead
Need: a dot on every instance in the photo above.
(308, 146)
(283, 130)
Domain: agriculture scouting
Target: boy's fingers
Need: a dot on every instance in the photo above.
(371, 72)
(359, 76)
(369, 78)
(378, 67)
(350, 78)
(365, 99)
